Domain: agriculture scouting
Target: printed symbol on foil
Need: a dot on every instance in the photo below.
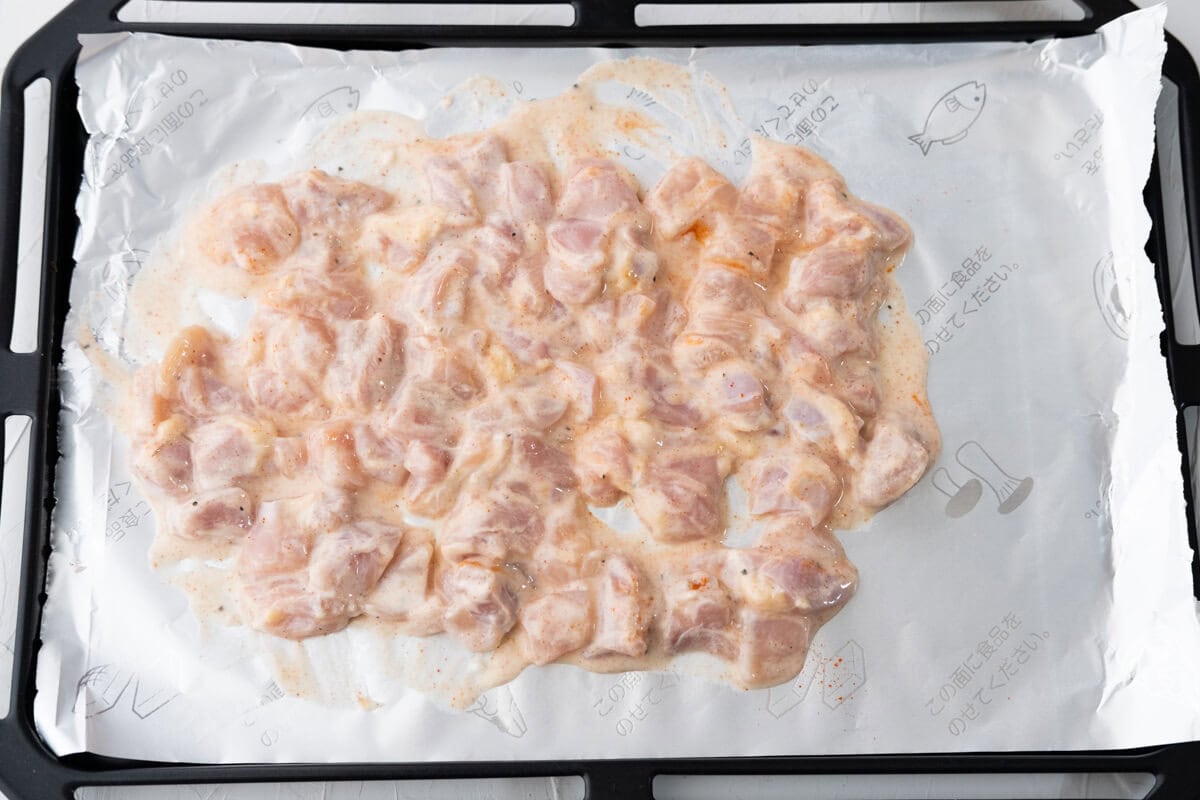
(963, 496)
(500, 708)
(102, 688)
(838, 676)
(952, 116)
(341, 100)
(1107, 289)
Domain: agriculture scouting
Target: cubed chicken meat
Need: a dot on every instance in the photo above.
(220, 514)
(623, 604)
(689, 190)
(405, 592)
(480, 607)
(250, 228)
(526, 193)
(892, 464)
(316, 198)
(801, 484)
(681, 499)
(229, 449)
(773, 646)
(164, 459)
(603, 463)
(503, 525)
(306, 567)
(597, 190)
(368, 364)
(699, 615)
(555, 624)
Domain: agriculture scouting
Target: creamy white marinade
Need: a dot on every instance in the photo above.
(449, 362)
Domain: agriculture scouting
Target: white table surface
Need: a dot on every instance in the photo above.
(21, 18)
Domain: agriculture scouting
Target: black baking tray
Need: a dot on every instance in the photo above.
(30, 771)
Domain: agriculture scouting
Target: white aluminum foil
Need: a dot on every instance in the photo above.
(1032, 592)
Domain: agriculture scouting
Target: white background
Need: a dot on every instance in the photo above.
(20, 18)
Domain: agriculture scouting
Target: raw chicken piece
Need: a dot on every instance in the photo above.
(578, 386)
(680, 499)
(380, 455)
(220, 514)
(739, 397)
(164, 459)
(603, 464)
(229, 449)
(622, 610)
(892, 464)
(555, 624)
(526, 192)
(502, 526)
(286, 357)
(438, 292)
(822, 420)
(742, 243)
(835, 270)
(794, 568)
(574, 273)
(307, 565)
(772, 200)
(829, 331)
(856, 384)
(459, 184)
(548, 467)
(480, 608)
(289, 455)
(773, 647)
(319, 296)
(698, 616)
(190, 376)
(427, 466)
(792, 483)
(332, 454)
(405, 590)
(689, 190)
(597, 190)
(250, 228)
(368, 365)
(318, 199)
(399, 238)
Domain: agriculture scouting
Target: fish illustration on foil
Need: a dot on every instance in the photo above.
(952, 116)
(341, 100)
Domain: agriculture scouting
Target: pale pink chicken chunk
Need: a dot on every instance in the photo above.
(680, 499)
(317, 198)
(307, 565)
(527, 193)
(225, 514)
(504, 525)
(368, 364)
(480, 607)
(250, 228)
(699, 613)
(604, 465)
(405, 592)
(228, 450)
(555, 624)
(892, 464)
(597, 190)
(792, 483)
(689, 190)
(164, 458)
(623, 605)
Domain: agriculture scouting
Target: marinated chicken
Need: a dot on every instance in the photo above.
(438, 391)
